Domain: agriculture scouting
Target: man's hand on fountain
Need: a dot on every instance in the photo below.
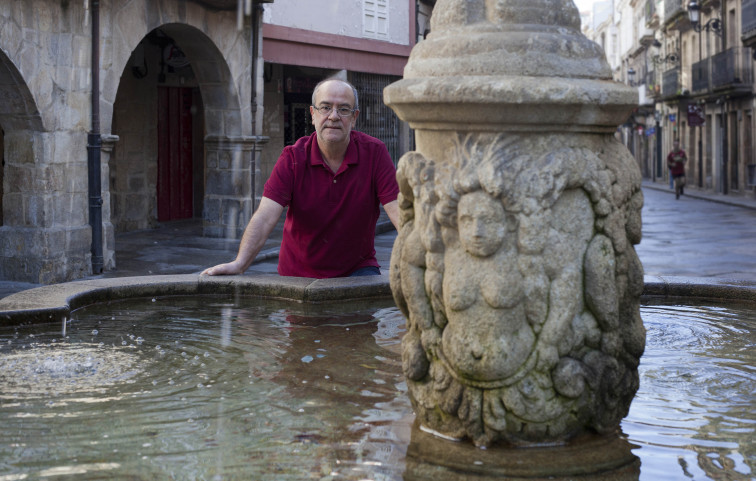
(228, 269)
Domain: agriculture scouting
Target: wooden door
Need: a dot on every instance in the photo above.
(174, 182)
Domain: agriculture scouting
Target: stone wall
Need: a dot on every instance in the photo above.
(45, 84)
(133, 168)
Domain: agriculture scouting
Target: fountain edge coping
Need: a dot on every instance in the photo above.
(55, 302)
(699, 288)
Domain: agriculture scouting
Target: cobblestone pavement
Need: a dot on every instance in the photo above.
(700, 235)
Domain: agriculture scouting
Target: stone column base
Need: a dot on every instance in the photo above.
(605, 458)
(45, 255)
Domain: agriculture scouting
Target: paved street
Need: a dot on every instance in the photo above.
(692, 237)
(700, 235)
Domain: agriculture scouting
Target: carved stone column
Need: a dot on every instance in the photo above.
(515, 263)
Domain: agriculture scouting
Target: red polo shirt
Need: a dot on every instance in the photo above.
(329, 229)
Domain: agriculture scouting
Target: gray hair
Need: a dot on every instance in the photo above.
(354, 90)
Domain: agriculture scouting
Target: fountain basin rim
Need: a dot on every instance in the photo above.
(702, 288)
(54, 303)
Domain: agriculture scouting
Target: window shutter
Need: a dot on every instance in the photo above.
(375, 19)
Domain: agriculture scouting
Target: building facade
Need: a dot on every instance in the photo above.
(117, 116)
(696, 84)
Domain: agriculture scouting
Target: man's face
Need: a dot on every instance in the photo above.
(676, 145)
(331, 128)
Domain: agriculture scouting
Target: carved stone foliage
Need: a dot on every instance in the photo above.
(516, 270)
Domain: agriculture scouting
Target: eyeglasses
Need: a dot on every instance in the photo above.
(342, 112)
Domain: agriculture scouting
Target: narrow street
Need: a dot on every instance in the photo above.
(693, 237)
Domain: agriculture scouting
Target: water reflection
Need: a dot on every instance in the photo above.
(695, 413)
(188, 388)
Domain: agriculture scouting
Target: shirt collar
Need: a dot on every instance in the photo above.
(351, 156)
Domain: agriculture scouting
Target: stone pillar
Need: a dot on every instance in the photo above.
(228, 184)
(515, 264)
(108, 231)
(45, 237)
(259, 182)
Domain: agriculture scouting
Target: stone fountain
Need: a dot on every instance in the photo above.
(516, 272)
(515, 264)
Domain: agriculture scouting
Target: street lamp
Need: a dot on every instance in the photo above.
(694, 15)
(671, 58)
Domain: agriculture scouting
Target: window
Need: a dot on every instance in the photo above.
(376, 118)
(375, 19)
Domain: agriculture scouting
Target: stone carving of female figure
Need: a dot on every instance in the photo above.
(520, 286)
(488, 288)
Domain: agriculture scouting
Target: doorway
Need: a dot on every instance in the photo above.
(298, 87)
(174, 176)
(300, 122)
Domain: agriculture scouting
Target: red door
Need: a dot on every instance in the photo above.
(174, 182)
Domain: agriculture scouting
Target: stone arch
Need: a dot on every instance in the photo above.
(18, 114)
(222, 101)
(18, 110)
(227, 114)
(20, 124)
(221, 156)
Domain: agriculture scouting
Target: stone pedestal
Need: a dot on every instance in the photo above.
(515, 263)
(588, 458)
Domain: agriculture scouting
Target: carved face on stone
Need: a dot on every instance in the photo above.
(481, 223)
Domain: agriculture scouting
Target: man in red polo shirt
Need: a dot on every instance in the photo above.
(332, 182)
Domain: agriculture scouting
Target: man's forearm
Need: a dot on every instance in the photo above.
(392, 210)
(257, 232)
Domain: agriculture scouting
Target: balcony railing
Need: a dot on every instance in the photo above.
(748, 16)
(670, 83)
(652, 84)
(700, 75)
(672, 8)
(732, 68)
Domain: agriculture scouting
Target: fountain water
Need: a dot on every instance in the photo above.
(219, 387)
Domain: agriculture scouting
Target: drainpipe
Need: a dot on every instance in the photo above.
(94, 147)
